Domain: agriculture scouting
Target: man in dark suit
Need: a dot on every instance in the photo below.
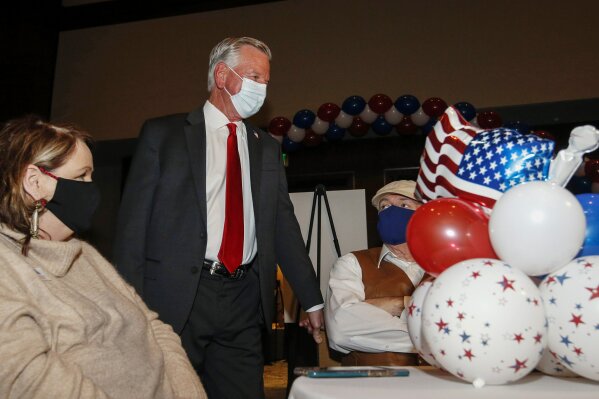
(205, 218)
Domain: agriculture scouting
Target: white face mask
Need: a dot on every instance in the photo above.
(250, 97)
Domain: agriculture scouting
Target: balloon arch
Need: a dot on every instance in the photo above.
(356, 117)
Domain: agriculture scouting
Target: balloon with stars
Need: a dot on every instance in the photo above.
(571, 297)
(484, 322)
(551, 365)
(414, 312)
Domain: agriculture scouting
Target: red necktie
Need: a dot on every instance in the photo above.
(231, 248)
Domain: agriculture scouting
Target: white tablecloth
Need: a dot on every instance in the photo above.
(428, 382)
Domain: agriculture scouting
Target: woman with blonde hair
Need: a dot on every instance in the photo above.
(70, 327)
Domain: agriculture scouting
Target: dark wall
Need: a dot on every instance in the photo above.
(28, 43)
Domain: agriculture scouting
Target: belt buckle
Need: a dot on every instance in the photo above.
(214, 268)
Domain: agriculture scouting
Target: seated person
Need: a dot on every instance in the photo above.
(364, 314)
(70, 327)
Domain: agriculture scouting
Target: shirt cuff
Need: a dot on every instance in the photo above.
(315, 308)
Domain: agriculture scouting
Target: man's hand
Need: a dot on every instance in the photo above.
(390, 304)
(313, 324)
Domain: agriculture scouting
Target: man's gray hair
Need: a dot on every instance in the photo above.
(227, 51)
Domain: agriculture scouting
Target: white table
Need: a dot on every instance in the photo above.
(428, 382)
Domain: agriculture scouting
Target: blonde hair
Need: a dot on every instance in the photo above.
(227, 51)
(30, 141)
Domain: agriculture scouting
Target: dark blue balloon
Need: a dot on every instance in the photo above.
(381, 127)
(466, 109)
(407, 104)
(590, 206)
(520, 126)
(304, 118)
(334, 133)
(579, 185)
(353, 105)
(428, 126)
(290, 145)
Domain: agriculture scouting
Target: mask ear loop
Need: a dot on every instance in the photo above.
(46, 172)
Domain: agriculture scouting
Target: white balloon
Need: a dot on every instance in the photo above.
(393, 116)
(420, 118)
(319, 126)
(571, 297)
(368, 115)
(344, 120)
(484, 322)
(551, 365)
(296, 134)
(537, 227)
(414, 312)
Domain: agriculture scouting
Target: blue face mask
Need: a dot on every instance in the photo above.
(393, 223)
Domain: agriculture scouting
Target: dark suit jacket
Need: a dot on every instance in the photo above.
(161, 237)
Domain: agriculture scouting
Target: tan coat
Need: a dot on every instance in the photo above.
(70, 327)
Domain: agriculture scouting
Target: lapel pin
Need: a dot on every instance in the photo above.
(256, 134)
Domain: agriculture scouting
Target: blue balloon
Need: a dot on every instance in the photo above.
(590, 206)
(290, 145)
(520, 126)
(407, 104)
(353, 105)
(579, 185)
(428, 126)
(334, 133)
(304, 118)
(466, 109)
(380, 126)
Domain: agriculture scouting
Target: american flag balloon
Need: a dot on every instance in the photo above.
(484, 322)
(460, 160)
(571, 298)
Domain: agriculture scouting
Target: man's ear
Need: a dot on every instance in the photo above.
(220, 73)
(32, 182)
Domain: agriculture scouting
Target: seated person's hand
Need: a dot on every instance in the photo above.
(391, 304)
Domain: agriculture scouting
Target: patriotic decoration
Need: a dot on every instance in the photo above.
(484, 322)
(460, 160)
(551, 365)
(571, 297)
(414, 312)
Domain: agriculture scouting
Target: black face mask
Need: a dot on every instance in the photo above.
(75, 203)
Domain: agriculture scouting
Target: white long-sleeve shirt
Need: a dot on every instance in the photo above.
(354, 325)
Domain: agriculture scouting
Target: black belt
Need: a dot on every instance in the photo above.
(217, 268)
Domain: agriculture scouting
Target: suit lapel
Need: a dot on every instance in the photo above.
(255, 153)
(195, 134)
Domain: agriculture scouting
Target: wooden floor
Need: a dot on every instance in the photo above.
(275, 380)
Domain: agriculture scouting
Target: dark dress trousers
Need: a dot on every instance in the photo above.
(161, 237)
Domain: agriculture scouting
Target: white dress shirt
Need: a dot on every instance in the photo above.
(354, 325)
(217, 133)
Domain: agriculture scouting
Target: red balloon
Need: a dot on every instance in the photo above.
(380, 103)
(358, 127)
(446, 231)
(279, 126)
(406, 126)
(544, 134)
(434, 106)
(489, 120)
(591, 170)
(328, 112)
(312, 139)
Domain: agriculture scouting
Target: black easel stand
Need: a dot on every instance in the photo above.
(301, 348)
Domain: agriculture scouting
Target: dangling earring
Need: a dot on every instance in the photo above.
(34, 229)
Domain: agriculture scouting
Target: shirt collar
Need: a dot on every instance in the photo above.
(215, 119)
